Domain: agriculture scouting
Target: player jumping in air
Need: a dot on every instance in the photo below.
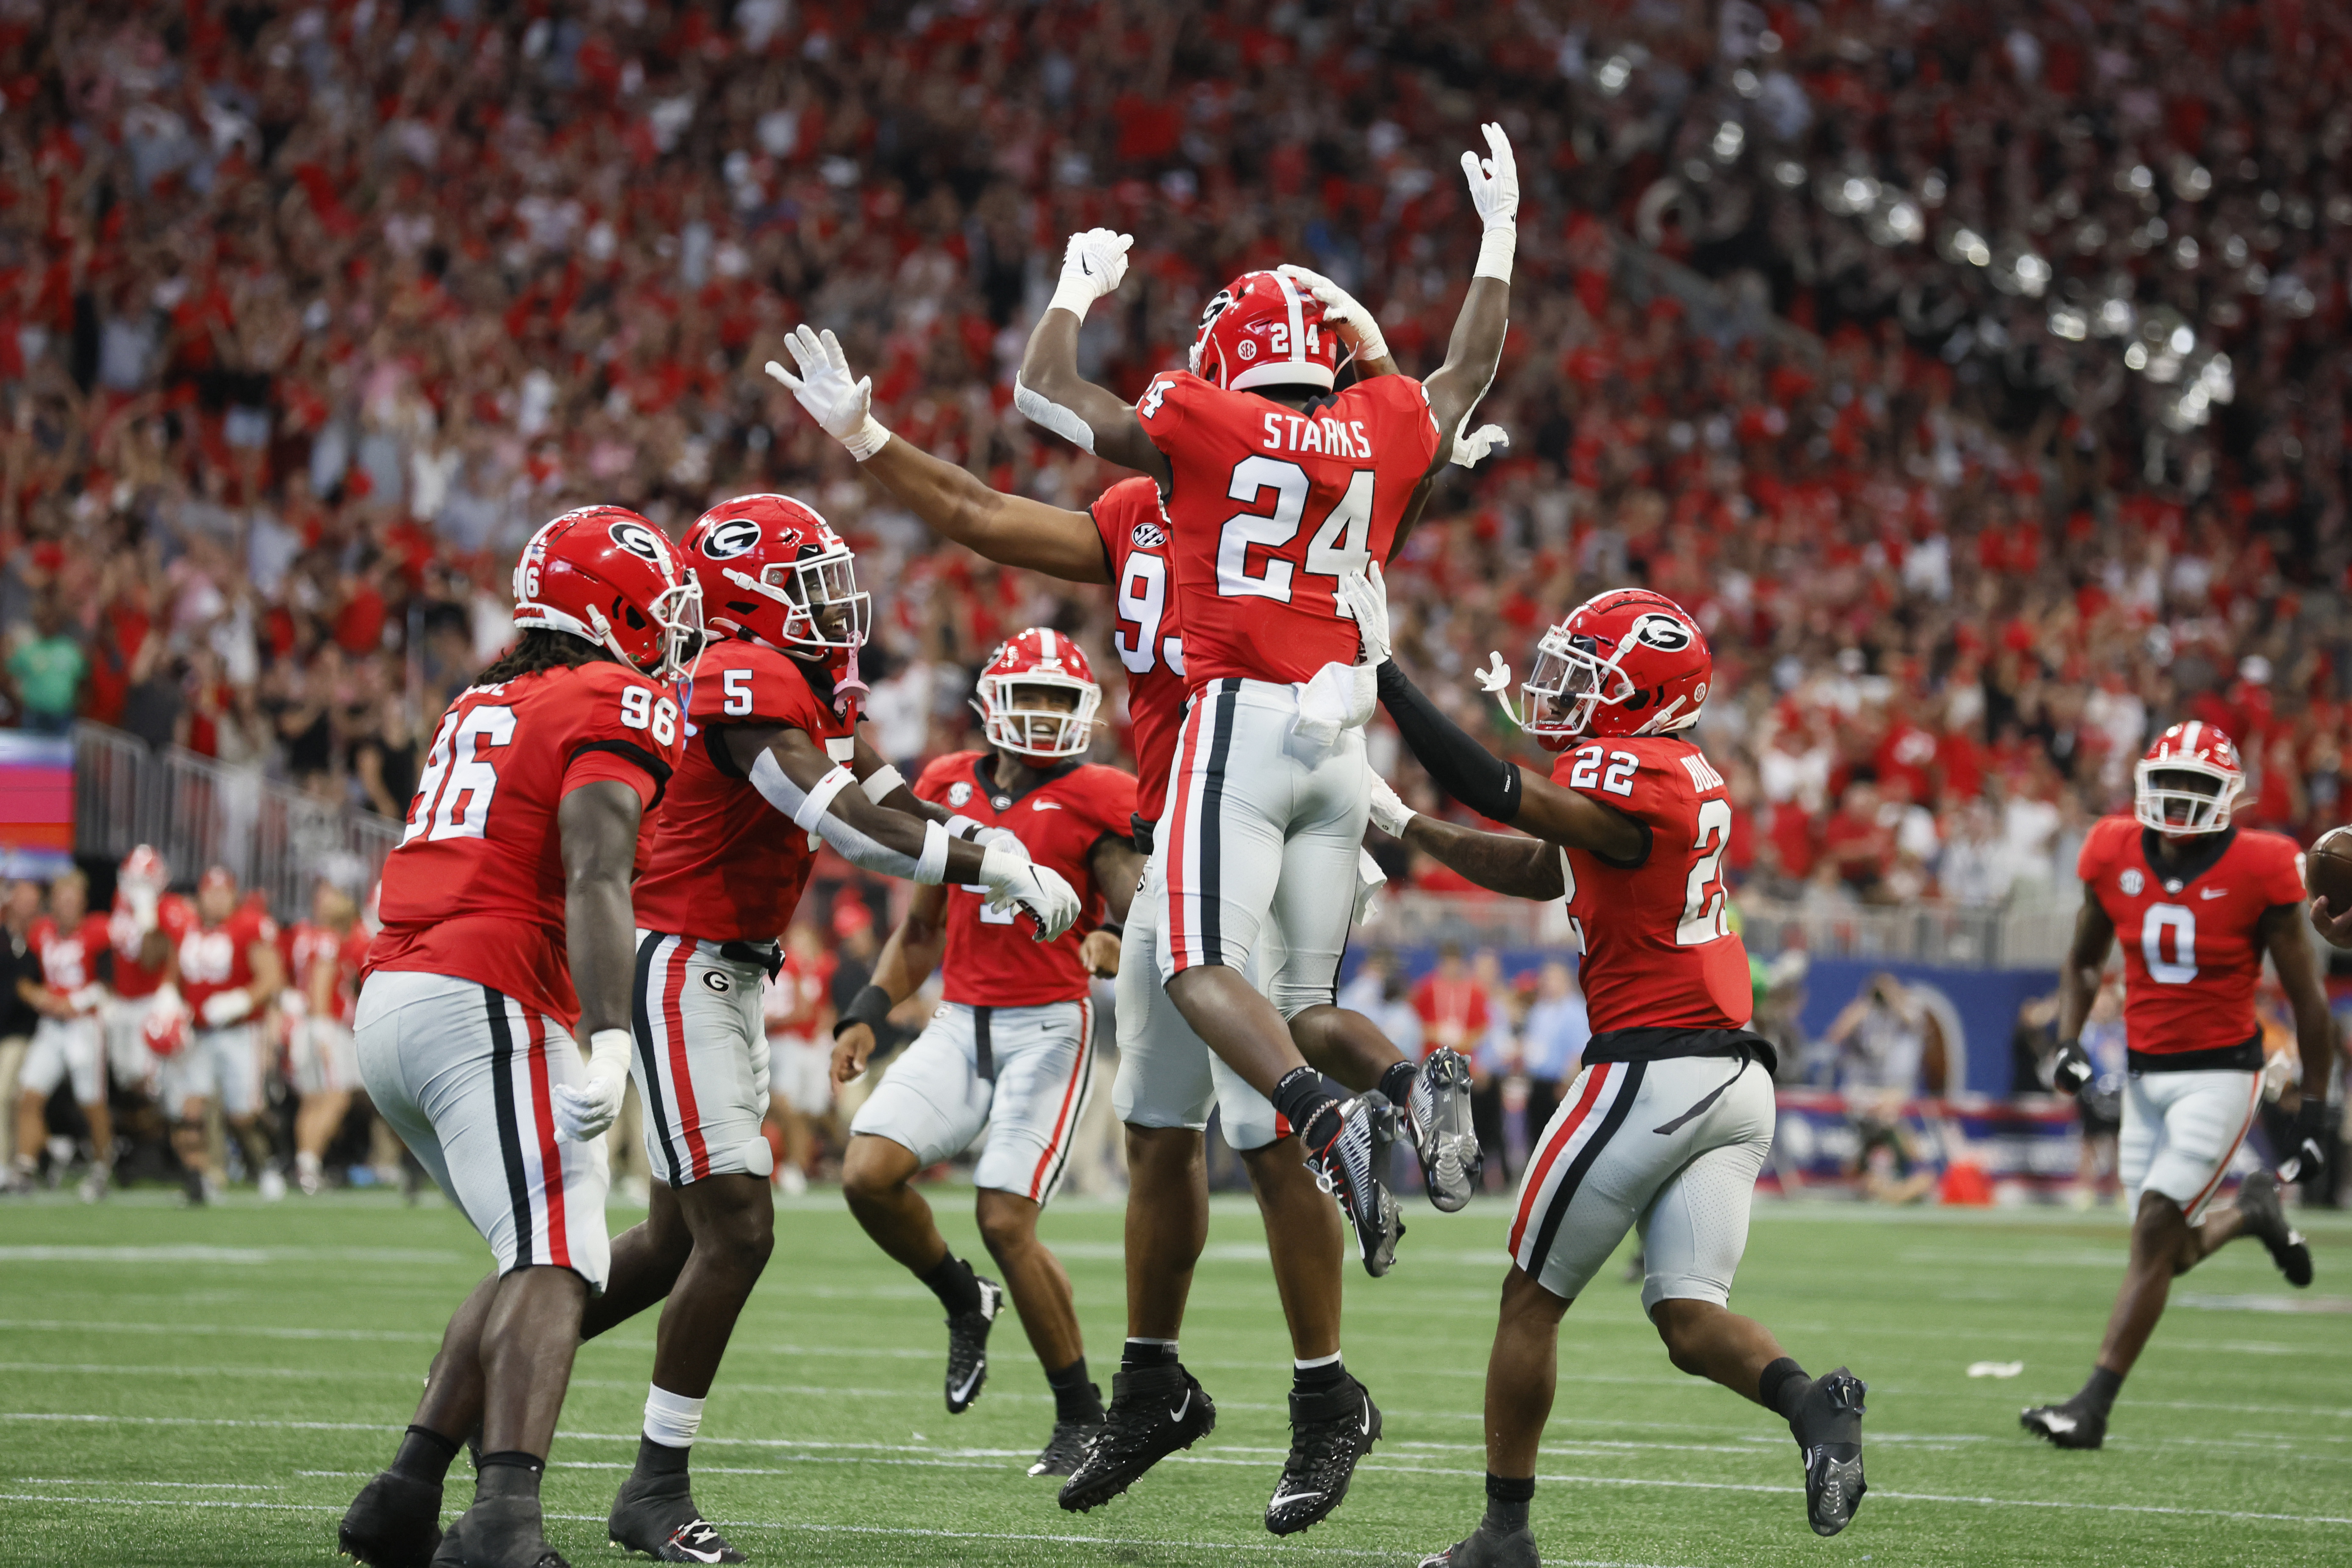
(2198, 903)
(510, 888)
(1011, 1050)
(1668, 1123)
(1276, 481)
(1168, 1079)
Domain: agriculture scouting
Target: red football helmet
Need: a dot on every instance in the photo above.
(144, 869)
(1037, 660)
(165, 1028)
(604, 573)
(1261, 330)
(1625, 662)
(771, 569)
(2187, 781)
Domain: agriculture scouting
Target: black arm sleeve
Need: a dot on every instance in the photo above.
(1461, 766)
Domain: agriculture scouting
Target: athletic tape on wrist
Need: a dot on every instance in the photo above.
(882, 783)
(931, 866)
(1039, 409)
(870, 1007)
(963, 827)
(1073, 295)
(820, 796)
(870, 437)
(1495, 253)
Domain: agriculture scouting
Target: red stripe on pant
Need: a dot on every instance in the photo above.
(681, 1078)
(1188, 747)
(1069, 1098)
(2254, 1098)
(1542, 1169)
(551, 1160)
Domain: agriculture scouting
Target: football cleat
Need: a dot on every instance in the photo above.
(395, 1522)
(2266, 1220)
(1153, 1413)
(2073, 1424)
(1065, 1447)
(1439, 1122)
(1353, 1168)
(1485, 1549)
(497, 1532)
(968, 1346)
(1828, 1428)
(656, 1515)
(1329, 1433)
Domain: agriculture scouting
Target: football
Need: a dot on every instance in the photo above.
(2327, 868)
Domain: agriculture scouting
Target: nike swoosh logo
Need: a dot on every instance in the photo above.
(970, 1383)
(1177, 1413)
(1281, 1498)
(2213, 892)
(1368, 1418)
(2057, 1422)
(1047, 805)
(699, 1529)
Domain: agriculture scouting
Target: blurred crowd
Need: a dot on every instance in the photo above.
(2009, 435)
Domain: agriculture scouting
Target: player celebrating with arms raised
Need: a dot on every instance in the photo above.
(1668, 1124)
(2198, 903)
(1011, 1050)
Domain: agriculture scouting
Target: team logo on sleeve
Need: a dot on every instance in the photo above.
(1662, 632)
(736, 536)
(1148, 536)
(959, 795)
(2131, 882)
(638, 541)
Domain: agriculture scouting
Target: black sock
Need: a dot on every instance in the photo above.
(1139, 1355)
(1318, 1379)
(1781, 1385)
(510, 1473)
(661, 1459)
(1506, 1502)
(1301, 1098)
(2100, 1392)
(425, 1455)
(1396, 1082)
(951, 1279)
(1074, 1398)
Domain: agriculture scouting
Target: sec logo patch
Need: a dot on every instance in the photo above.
(2131, 882)
(958, 794)
(1148, 536)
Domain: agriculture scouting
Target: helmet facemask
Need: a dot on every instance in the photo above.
(823, 606)
(2183, 796)
(1019, 715)
(1569, 680)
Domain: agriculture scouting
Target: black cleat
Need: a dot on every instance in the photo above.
(1353, 1168)
(2266, 1221)
(1153, 1413)
(2073, 1424)
(497, 1532)
(395, 1522)
(451, 1553)
(1329, 1433)
(656, 1515)
(1828, 1428)
(1485, 1549)
(1065, 1447)
(1438, 1120)
(968, 1346)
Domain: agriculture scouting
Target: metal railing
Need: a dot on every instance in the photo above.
(198, 813)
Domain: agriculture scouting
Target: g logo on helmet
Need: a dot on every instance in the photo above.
(1662, 631)
(736, 536)
(638, 541)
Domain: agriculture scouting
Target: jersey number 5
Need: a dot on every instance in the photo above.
(1340, 545)
(453, 798)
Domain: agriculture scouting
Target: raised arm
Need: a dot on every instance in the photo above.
(1049, 391)
(1509, 863)
(1476, 348)
(1010, 530)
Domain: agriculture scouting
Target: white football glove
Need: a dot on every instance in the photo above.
(1495, 191)
(1366, 598)
(1012, 879)
(1345, 314)
(1390, 813)
(1470, 450)
(586, 1109)
(759, 1080)
(842, 407)
(1092, 266)
(223, 1008)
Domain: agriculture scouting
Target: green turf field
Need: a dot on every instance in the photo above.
(210, 1388)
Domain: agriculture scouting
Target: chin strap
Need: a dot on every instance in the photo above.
(1494, 680)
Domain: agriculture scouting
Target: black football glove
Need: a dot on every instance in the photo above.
(2308, 1162)
(2073, 1067)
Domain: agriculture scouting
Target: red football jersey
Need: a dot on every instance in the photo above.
(214, 959)
(475, 890)
(992, 959)
(174, 916)
(1268, 507)
(1659, 951)
(2190, 955)
(726, 865)
(70, 959)
(308, 945)
(1149, 639)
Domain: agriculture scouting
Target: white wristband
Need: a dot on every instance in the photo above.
(964, 826)
(1495, 253)
(882, 783)
(870, 437)
(610, 1049)
(820, 796)
(1073, 295)
(931, 867)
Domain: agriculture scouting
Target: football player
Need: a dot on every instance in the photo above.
(145, 928)
(1167, 1080)
(799, 1013)
(2198, 902)
(774, 768)
(506, 936)
(1668, 1123)
(1011, 1050)
(74, 950)
(1276, 481)
(230, 974)
(323, 958)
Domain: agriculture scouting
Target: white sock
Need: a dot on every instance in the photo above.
(672, 1419)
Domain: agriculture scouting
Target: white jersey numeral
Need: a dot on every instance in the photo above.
(2181, 920)
(1705, 919)
(453, 798)
(1340, 543)
(1142, 605)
